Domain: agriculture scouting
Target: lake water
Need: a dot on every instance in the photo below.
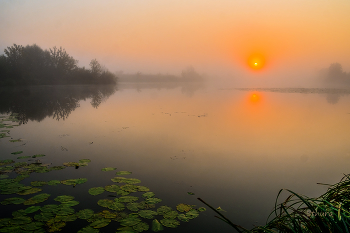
(232, 147)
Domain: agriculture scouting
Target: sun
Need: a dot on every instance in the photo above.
(256, 62)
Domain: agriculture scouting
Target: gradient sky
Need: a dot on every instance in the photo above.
(216, 37)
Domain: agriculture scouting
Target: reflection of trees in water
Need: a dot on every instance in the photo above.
(333, 98)
(58, 102)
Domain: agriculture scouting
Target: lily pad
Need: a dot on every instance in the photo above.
(128, 199)
(190, 193)
(142, 189)
(38, 183)
(100, 223)
(17, 152)
(117, 206)
(105, 202)
(156, 226)
(3, 176)
(172, 223)
(96, 191)
(126, 180)
(107, 169)
(39, 155)
(13, 200)
(123, 173)
(192, 214)
(141, 227)
(49, 209)
(88, 230)
(24, 157)
(133, 206)
(183, 207)
(65, 210)
(85, 214)
(32, 209)
(148, 195)
(153, 200)
(108, 214)
(70, 203)
(201, 209)
(130, 221)
(15, 140)
(183, 218)
(43, 217)
(71, 164)
(53, 182)
(163, 210)
(84, 161)
(149, 214)
(56, 168)
(64, 198)
(32, 226)
(29, 191)
(171, 214)
(129, 188)
(112, 188)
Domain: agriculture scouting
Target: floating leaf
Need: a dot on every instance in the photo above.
(71, 164)
(128, 199)
(149, 214)
(126, 180)
(3, 176)
(107, 169)
(39, 155)
(105, 202)
(192, 214)
(112, 188)
(123, 173)
(108, 214)
(53, 182)
(84, 161)
(133, 206)
(122, 193)
(64, 198)
(142, 189)
(153, 200)
(141, 227)
(100, 223)
(163, 210)
(57, 168)
(96, 191)
(38, 183)
(183, 218)
(66, 218)
(129, 221)
(15, 140)
(32, 226)
(6, 161)
(220, 209)
(129, 188)
(201, 209)
(171, 214)
(85, 214)
(148, 195)
(156, 226)
(29, 191)
(70, 203)
(65, 210)
(81, 180)
(17, 152)
(190, 193)
(88, 230)
(170, 223)
(24, 157)
(49, 208)
(31, 209)
(117, 206)
(43, 217)
(13, 200)
(183, 207)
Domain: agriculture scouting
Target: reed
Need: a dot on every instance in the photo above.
(299, 213)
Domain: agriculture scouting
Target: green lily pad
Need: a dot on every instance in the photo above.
(70, 203)
(130, 221)
(108, 214)
(125, 180)
(133, 206)
(153, 200)
(56, 168)
(19, 213)
(96, 191)
(123, 173)
(88, 230)
(105, 202)
(117, 206)
(64, 198)
(112, 188)
(71, 164)
(107, 169)
(17, 152)
(29, 202)
(129, 188)
(13, 200)
(66, 218)
(6, 161)
(171, 214)
(122, 193)
(43, 217)
(201, 209)
(20, 220)
(163, 210)
(85, 214)
(81, 180)
(49, 208)
(126, 230)
(38, 183)
(128, 199)
(100, 223)
(65, 210)
(24, 157)
(192, 214)
(183, 207)
(39, 155)
(84, 161)
(3, 176)
(190, 193)
(156, 226)
(141, 227)
(15, 140)
(172, 223)
(183, 218)
(29, 191)
(148, 195)
(53, 182)
(149, 214)
(32, 209)
(32, 226)
(142, 189)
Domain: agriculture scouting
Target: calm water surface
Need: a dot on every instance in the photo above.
(234, 148)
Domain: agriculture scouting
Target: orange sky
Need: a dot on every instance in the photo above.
(166, 36)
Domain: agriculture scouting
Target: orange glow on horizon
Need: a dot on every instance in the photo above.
(254, 98)
(256, 62)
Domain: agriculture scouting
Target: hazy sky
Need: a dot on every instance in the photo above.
(217, 37)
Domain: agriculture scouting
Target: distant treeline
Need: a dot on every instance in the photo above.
(31, 65)
(187, 75)
(335, 75)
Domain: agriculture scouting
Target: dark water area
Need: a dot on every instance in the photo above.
(233, 147)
